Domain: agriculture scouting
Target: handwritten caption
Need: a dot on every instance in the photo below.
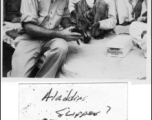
(72, 96)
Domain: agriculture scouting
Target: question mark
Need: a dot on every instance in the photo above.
(108, 109)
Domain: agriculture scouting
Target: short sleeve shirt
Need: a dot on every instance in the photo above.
(45, 13)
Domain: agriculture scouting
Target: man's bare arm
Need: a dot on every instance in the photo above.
(40, 32)
(137, 10)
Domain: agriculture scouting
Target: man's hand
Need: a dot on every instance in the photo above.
(94, 28)
(70, 36)
(144, 17)
(144, 14)
(137, 10)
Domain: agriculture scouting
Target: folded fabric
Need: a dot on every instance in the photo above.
(16, 20)
(12, 33)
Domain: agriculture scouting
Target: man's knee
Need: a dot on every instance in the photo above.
(133, 27)
(138, 27)
(27, 49)
(18, 52)
(61, 46)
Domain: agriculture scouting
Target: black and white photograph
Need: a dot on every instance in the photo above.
(90, 39)
(76, 59)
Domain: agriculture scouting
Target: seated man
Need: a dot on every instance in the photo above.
(139, 29)
(41, 36)
(106, 24)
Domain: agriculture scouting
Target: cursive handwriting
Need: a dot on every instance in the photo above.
(109, 108)
(67, 113)
(70, 96)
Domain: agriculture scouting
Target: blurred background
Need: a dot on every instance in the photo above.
(11, 9)
(11, 13)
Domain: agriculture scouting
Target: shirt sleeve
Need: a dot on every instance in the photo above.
(71, 5)
(29, 10)
(111, 22)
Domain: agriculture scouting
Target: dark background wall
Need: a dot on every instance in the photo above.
(11, 9)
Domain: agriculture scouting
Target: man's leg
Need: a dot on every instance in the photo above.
(25, 56)
(55, 52)
(136, 30)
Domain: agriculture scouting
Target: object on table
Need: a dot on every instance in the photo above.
(119, 46)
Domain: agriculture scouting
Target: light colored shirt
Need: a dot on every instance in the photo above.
(125, 9)
(146, 2)
(106, 24)
(45, 13)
